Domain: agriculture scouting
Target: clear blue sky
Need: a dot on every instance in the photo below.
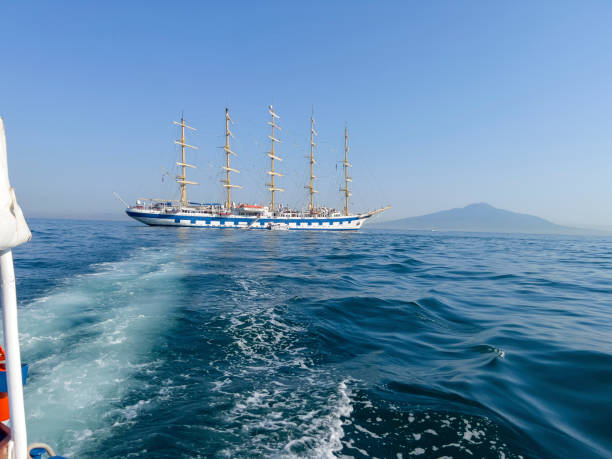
(447, 102)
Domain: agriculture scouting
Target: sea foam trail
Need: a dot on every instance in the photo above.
(85, 340)
(280, 403)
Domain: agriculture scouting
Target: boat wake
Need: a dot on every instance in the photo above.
(276, 399)
(86, 339)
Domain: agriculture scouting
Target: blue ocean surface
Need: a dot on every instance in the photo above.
(185, 342)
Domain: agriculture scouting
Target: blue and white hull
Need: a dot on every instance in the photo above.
(202, 220)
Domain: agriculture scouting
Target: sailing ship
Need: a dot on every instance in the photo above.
(163, 212)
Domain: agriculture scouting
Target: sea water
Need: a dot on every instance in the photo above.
(185, 342)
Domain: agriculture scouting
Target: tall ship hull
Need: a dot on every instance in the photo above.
(155, 217)
(159, 212)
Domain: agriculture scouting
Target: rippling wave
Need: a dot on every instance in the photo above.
(179, 342)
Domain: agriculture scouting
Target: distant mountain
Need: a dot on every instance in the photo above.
(481, 217)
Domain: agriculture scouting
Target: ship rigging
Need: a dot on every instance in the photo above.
(162, 212)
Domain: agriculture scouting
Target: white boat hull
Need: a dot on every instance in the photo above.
(195, 219)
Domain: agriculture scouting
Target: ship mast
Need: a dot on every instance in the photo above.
(182, 179)
(310, 187)
(347, 179)
(227, 183)
(272, 173)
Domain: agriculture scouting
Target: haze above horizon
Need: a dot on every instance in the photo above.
(447, 104)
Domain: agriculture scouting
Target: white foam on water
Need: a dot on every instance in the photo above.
(322, 436)
(282, 403)
(437, 432)
(334, 421)
(366, 431)
(86, 340)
